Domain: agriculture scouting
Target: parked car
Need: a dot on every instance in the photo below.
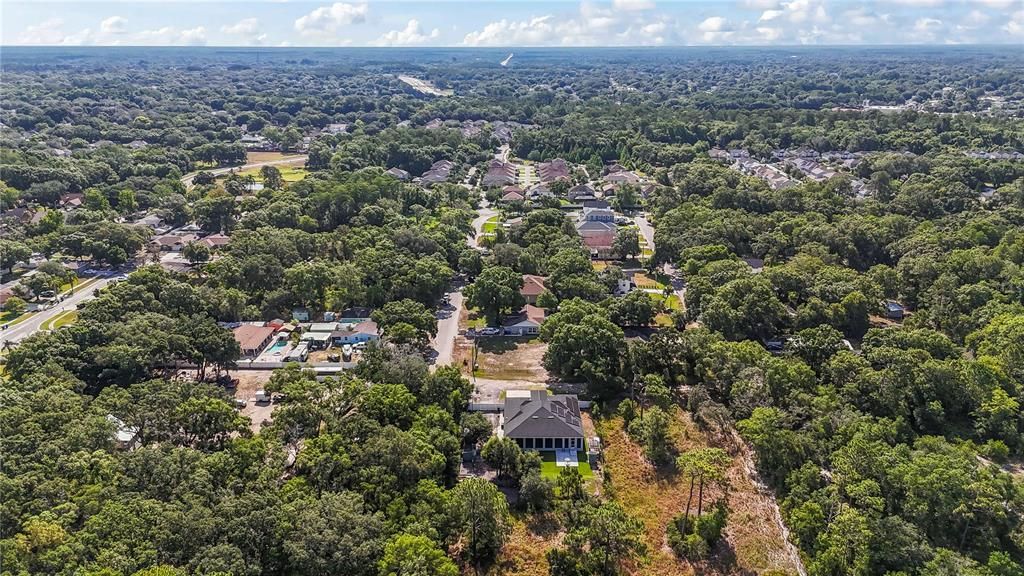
(346, 352)
(490, 331)
(359, 346)
(239, 403)
(334, 357)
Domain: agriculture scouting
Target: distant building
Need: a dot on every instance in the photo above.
(894, 310)
(554, 170)
(581, 192)
(499, 174)
(438, 173)
(512, 197)
(216, 241)
(536, 420)
(533, 286)
(398, 173)
(336, 128)
(172, 242)
(126, 437)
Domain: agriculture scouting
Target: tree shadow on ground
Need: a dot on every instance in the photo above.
(497, 344)
(543, 525)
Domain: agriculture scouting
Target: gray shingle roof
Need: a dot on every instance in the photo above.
(542, 416)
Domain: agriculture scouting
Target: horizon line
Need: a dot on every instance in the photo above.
(519, 47)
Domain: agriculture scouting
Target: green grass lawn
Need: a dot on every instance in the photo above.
(12, 318)
(491, 226)
(550, 469)
(60, 320)
(288, 173)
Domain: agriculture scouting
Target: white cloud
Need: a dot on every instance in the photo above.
(1015, 27)
(799, 11)
(927, 25)
(974, 19)
(769, 34)
(193, 36)
(995, 3)
(48, 32)
(114, 25)
(769, 15)
(654, 28)
(632, 5)
(244, 27)
(715, 29)
(713, 24)
(920, 3)
(593, 25)
(861, 17)
(170, 36)
(327, 19)
(539, 30)
(760, 4)
(411, 35)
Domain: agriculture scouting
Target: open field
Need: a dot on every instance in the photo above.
(288, 173)
(753, 540)
(249, 381)
(525, 549)
(504, 358)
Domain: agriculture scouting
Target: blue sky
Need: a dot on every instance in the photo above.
(507, 23)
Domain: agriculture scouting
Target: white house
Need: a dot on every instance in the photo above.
(526, 323)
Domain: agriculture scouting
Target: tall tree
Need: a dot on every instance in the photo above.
(482, 519)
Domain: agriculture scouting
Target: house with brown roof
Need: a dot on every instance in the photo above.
(556, 169)
(364, 331)
(533, 286)
(172, 242)
(512, 197)
(253, 338)
(600, 245)
(215, 241)
(526, 323)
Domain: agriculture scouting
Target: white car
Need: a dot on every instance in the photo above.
(490, 331)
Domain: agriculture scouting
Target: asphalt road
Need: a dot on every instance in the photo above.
(25, 328)
(647, 231)
(188, 178)
(484, 213)
(447, 329)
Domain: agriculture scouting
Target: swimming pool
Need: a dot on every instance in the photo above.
(277, 348)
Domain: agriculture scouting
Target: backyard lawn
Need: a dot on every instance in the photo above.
(550, 469)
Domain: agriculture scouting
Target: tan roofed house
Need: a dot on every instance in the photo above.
(533, 286)
(253, 338)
